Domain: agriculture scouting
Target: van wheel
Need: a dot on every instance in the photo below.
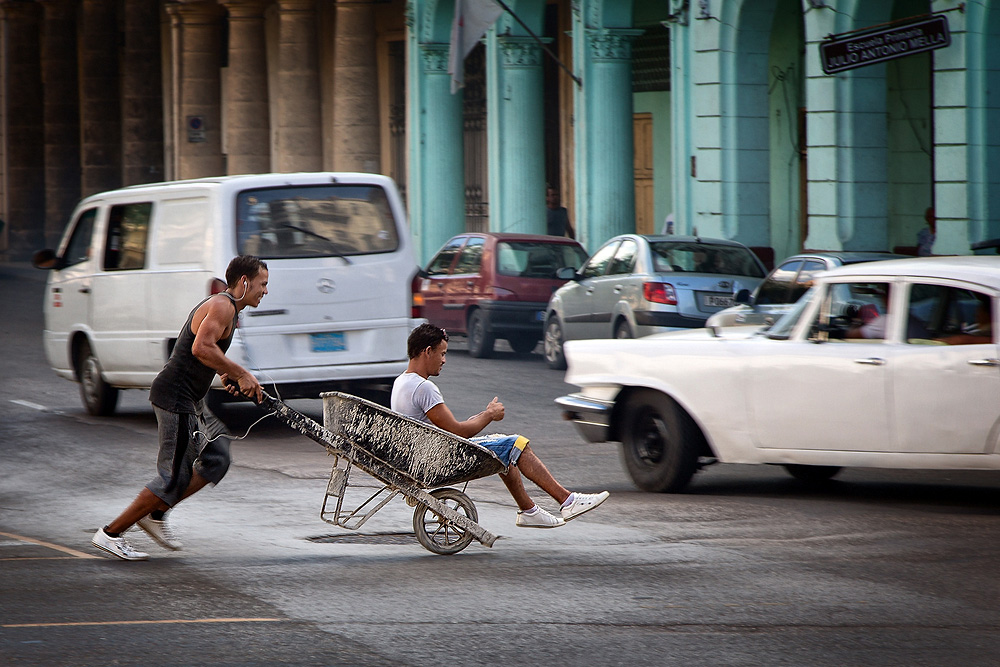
(480, 341)
(98, 396)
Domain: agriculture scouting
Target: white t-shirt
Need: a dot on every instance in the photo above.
(413, 396)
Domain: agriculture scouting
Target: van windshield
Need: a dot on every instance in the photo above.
(314, 221)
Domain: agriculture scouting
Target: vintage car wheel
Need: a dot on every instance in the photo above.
(98, 396)
(812, 474)
(480, 340)
(554, 355)
(438, 535)
(523, 343)
(659, 443)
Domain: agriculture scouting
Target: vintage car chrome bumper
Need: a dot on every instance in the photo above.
(591, 416)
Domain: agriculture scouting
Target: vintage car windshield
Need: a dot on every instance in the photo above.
(314, 221)
(695, 257)
(782, 329)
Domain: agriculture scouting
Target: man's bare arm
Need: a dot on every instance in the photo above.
(210, 325)
(442, 417)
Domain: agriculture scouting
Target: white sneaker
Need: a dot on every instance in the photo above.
(540, 519)
(160, 532)
(582, 503)
(117, 546)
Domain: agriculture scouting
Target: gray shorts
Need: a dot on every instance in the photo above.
(185, 449)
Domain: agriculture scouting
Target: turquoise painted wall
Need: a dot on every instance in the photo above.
(785, 96)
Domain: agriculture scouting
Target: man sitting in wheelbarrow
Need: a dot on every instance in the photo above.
(415, 396)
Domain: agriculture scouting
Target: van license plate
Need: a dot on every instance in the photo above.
(328, 342)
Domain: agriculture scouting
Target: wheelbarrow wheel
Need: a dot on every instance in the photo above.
(438, 535)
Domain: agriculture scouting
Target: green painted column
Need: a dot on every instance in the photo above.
(515, 134)
(437, 188)
(605, 196)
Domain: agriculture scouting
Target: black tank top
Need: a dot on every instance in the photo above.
(184, 380)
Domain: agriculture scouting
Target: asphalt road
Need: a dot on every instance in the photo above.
(750, 567)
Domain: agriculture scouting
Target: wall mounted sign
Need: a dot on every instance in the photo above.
(870, 47)
(196, 129)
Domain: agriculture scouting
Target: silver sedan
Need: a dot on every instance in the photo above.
(637, 285)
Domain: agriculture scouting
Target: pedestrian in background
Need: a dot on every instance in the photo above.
(557, 217)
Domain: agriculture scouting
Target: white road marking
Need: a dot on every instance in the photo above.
(29, 404)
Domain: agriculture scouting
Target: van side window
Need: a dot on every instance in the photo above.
(78, 248)
(128, 228)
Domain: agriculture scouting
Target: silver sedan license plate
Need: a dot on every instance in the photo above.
(713, 301)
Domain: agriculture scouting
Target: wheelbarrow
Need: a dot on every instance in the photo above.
(418, 461)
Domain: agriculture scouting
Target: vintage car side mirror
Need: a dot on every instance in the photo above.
(742, 297)
(566, 273)
(45, 259)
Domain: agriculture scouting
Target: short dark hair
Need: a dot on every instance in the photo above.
(423, 337)
(243, 265)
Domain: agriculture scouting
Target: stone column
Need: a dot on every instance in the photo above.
(515, 123)
(248, 130)
(605, 145)
(142, 95)
(22, 93)
(61, 113)
(100, 97)
(298, 131)
(195, 120)
(355, 77)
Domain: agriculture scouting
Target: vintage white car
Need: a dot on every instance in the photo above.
(881, 365)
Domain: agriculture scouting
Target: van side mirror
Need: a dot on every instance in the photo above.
(45, 259)
(742, 297)
(566, 273)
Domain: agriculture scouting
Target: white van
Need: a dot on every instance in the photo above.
(134, 262)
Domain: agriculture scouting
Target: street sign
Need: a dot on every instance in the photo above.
(196, 129)
(877, 46)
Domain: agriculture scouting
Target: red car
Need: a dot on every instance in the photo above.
(491, 285)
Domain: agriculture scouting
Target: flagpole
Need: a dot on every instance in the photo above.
(517, 18)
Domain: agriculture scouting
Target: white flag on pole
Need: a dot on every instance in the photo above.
(472, 19)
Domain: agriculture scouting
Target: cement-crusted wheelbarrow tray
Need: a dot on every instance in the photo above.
(407, 457)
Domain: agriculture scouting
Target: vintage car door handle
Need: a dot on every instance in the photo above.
(871, 361)
(984, 362)
(84, 290)
(470, 283)
(617, 289)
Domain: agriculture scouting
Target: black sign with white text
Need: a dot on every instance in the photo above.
(878, 46)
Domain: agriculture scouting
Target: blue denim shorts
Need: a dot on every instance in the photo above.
(508, 448)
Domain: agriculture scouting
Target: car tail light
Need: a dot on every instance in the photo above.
(416, 299)
(216, 286)
(659, 293)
